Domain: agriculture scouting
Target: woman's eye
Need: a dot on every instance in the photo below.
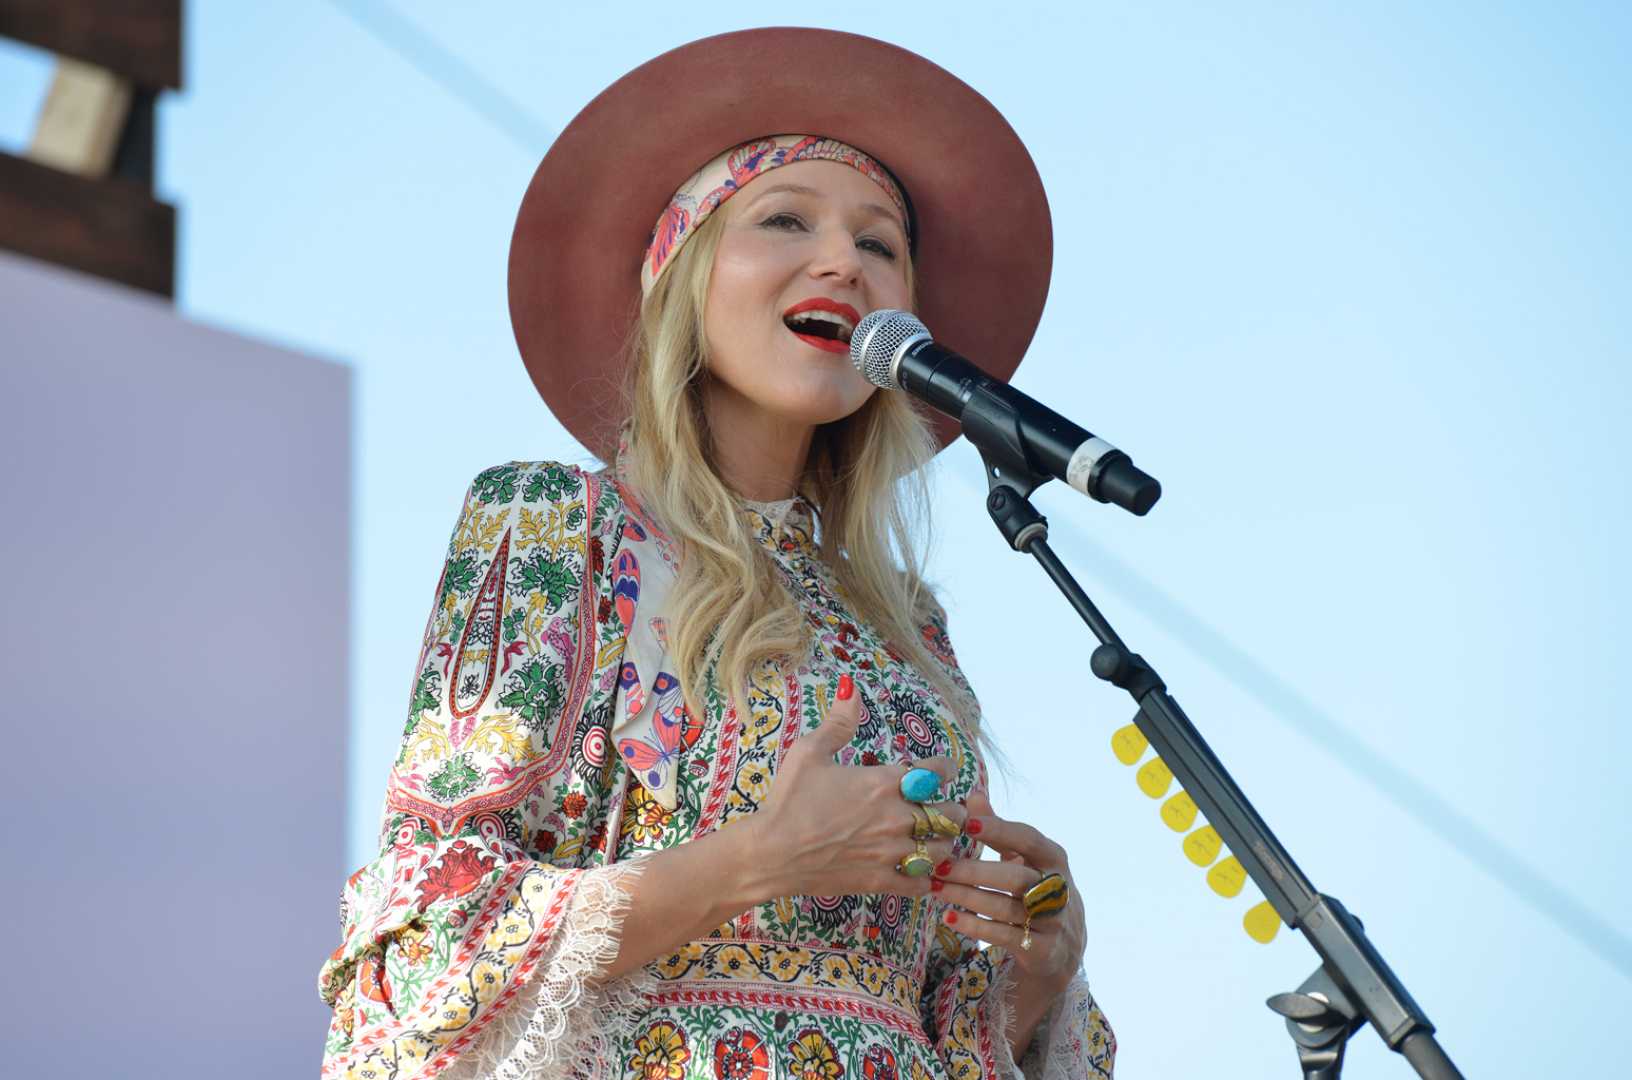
(783, 221)
(876, 246)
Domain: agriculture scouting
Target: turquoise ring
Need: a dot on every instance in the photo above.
(920, 785)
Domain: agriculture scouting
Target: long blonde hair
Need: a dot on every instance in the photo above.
(865, 474)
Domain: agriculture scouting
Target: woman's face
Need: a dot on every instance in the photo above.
(806, 250)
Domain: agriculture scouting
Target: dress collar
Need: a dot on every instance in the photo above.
(782, 525)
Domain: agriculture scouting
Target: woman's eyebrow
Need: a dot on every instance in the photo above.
(872, 209)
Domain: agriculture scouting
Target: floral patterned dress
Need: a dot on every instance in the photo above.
(546, 755)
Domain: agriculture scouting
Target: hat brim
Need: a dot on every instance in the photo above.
(984, 243)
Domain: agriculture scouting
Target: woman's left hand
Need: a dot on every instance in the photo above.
(986, 896)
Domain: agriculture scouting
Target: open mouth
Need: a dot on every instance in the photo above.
(824, 324)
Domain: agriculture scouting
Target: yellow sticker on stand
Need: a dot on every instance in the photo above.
(1261, 922)
(1227, 877)
(1155, 778)
(1128, 744)
(1179, 812)
(1202, 846)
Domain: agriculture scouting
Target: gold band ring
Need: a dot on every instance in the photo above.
(923, 826)
(943, 825)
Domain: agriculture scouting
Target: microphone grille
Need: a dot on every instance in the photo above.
(878, 340)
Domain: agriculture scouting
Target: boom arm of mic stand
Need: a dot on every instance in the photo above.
(1346, 954)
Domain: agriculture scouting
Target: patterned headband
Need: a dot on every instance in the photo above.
(726, 175)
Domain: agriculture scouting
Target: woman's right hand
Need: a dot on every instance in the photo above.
(831, 830)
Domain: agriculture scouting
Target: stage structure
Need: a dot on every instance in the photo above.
(174, 640)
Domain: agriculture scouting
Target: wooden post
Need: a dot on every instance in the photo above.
(82, 196)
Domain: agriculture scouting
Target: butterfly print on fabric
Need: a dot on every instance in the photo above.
(653, 759)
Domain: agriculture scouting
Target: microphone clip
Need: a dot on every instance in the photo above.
(991, 424)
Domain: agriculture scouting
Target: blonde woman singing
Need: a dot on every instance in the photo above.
(691, 784)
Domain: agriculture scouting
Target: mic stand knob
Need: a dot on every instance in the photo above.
(1320, 1018)
(1016, 518)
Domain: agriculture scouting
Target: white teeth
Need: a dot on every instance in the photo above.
(817, 315)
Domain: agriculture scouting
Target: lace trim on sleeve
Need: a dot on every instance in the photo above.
(1072, 1040)
(1001, 1018)
(575, 1024)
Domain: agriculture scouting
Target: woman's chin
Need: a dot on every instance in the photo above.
(825, 405)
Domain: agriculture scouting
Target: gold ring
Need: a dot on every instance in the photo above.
(923, 826)
(1047, 897)
(918, 864)
(1025, 935)
(943, 825)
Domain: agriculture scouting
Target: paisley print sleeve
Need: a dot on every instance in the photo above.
(471, 944)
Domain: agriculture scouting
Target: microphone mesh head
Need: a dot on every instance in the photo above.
(877, 342)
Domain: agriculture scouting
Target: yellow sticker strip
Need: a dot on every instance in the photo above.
(1227, 876)
(1202, 846)
(1261, 922)
(1128, 744)
(1179, 812)
(1155, 778)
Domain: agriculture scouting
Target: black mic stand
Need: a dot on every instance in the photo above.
(1353, 984)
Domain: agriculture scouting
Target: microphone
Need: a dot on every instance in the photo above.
(894, 350)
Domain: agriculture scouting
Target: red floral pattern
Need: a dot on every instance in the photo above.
(739, 1054)
(878, 1064)
(459, 871)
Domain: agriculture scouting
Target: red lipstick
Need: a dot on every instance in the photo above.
(837, 319)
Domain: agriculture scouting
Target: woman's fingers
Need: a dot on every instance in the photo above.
(952, 811)
(898, 881)
(1009, 877)
(838, 727)
(999, 932)
(1001, 906)
(1014, 837)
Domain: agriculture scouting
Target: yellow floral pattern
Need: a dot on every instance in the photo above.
(661, 1053)
(812, 1057)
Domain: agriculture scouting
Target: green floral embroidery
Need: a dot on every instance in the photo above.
(555, 578)
(427, 691)
(551, 482)
(454, 779)
(535, 692)
(497, 484)
(460, 576)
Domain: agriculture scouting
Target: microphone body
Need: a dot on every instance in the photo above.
(894, 350)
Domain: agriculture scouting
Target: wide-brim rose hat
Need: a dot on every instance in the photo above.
(982, 237)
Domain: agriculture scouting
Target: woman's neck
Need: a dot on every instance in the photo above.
(761, 457)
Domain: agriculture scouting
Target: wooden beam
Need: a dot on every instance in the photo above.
(111, 227)
(139, 39)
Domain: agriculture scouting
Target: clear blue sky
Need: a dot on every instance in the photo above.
(1352, 282)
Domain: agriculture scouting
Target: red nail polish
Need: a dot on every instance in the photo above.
(951, 917)
(936, 884)
(972, 826)
(944, 869)
(847, 686)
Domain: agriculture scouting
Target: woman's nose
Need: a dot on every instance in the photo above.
(836, 256)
